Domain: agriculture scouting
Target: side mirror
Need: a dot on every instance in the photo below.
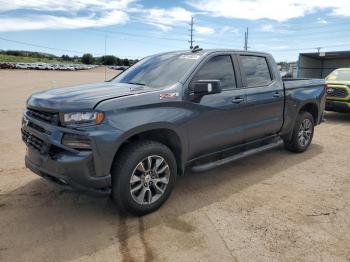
(206, 87)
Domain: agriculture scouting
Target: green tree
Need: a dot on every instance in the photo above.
(109, 60)
(118, 62)
(87, 59)
(132, 62)
(126, 62)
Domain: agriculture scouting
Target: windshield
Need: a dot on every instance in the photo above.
(339, 75)
(159, 71)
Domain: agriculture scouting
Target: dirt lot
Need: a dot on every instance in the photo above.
(276, 206)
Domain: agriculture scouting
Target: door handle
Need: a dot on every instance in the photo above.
(277, 94)
(237, 100)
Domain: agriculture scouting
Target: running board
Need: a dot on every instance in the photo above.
(211, 165)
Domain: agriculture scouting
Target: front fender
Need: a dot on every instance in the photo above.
(171, 116)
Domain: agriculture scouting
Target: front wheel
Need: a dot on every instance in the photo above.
(143, 177)
(303, 133)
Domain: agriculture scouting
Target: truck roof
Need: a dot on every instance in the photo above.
(209, 51)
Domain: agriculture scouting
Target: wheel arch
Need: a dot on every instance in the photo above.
(164, 134)
(313, 109)
(310, 106)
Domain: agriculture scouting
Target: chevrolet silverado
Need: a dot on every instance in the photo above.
(129, 138)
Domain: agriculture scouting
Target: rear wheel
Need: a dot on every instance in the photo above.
(302, 133)
(143, 177)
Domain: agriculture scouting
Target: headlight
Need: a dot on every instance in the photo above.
(83, 118)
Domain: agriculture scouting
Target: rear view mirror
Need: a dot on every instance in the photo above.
(206, 87)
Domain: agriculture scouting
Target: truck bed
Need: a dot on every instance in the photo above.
(292, 83)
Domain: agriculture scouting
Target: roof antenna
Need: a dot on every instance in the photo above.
(196, 49)
(191, 41)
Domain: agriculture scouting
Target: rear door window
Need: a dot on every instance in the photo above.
(218, 68)
(256, 71)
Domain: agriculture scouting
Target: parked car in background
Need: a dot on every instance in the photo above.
(130, 137)
(118, 67)
(40, 66)
(32, 66)
(21, 66)
(114, 67)
(65, 67)
(7, 65)
(45, 66)
(338, 90)
(55, 67)
(123, 68)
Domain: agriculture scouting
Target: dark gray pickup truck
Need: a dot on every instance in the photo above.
(130, 137)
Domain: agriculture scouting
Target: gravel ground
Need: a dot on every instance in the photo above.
(276, 206)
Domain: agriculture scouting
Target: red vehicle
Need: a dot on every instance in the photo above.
(7, 66)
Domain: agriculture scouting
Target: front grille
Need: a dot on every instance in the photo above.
(33, 142)
(48, 117)
(36, 127)
(340, 92)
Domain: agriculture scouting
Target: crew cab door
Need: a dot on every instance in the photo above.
(264, 96)
(217, 118)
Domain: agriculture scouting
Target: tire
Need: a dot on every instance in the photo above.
(136, 186)
(303, 133)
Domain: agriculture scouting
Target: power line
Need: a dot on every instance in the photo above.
(220, 44)
(152, 37)
(145, 38)
(41, 46)
(308, 48)
(263, 35)
(52, 48)
(286, 26)
(306, 26)
(297, 36)
(134, 35)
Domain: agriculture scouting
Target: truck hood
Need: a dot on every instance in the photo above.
(83, 97)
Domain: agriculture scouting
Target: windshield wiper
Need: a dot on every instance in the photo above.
(135, 83)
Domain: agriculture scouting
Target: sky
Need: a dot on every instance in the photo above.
(136, 28)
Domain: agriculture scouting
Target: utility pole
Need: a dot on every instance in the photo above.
(246, 35)
(319, 49)
(191, 41)
(105, 57)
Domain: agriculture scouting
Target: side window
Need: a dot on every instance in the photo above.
(256, 70)
(218, 68)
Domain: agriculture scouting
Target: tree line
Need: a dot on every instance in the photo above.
(107, 60)
(85, 59)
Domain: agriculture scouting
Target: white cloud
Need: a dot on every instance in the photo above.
(203, 30)
(321, 21)
(56, 22)
(98, 13)
(281, 47)
(64, 5)
(267, 28)
(229, 29)
(165, 19)
(269, 9)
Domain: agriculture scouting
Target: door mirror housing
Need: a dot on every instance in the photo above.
(206, 87)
